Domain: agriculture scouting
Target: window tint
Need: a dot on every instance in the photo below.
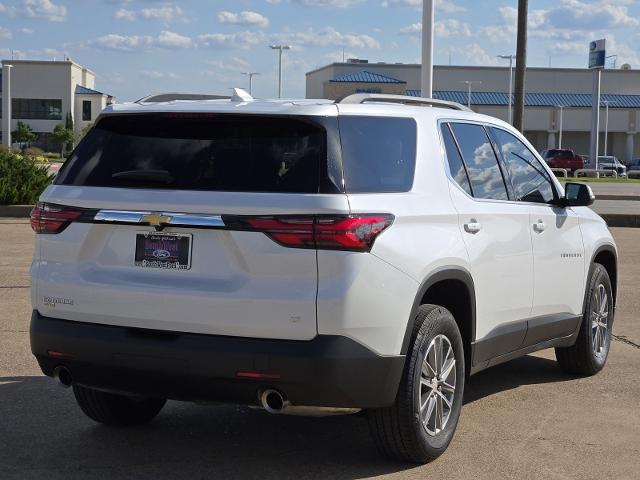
(531, 182)
(378, 153)
(200, 152)
(482, 166)
(86, 110)
(456, 167)
(36, 109)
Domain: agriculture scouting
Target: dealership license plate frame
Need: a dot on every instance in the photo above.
(143, 259)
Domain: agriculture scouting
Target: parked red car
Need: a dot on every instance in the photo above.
(563, 158)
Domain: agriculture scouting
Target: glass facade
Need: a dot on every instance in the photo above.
(36, 109)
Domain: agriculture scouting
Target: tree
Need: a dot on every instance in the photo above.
(63, 136)
(23, 134)
(69, 125)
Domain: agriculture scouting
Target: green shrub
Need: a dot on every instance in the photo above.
(21, 179)
(33, 152)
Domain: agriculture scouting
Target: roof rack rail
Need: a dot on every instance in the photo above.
(359, 98)
(171, 96)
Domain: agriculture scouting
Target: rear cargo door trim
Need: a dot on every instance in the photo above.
(159, 219)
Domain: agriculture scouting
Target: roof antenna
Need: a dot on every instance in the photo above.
(240, 95)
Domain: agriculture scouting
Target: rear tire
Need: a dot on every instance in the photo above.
(117, 410)
(419, 426)
(589, 354)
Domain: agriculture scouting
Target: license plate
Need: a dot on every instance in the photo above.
(163, 250)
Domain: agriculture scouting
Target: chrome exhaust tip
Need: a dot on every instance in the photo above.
(63, 376)
(273, 401)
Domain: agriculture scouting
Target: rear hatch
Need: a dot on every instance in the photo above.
(205, 223)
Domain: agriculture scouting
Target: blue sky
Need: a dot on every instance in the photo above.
(138, 47)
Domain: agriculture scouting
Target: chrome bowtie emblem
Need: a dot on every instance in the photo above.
(156, 220)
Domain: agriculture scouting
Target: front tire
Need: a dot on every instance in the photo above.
(589, 354)
(419, 426)
(117, 410)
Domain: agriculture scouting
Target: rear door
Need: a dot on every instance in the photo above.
(178, 206)
(496, 234)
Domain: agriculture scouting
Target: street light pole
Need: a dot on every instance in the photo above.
(426, 84)
(511, 58)
(280, 48)
(469, 83)
(250, 75)
(6, 104)
(521, 65)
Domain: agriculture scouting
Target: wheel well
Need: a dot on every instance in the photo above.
(607, 259)
(454, 295)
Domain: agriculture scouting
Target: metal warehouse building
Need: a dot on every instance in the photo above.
(548, 89)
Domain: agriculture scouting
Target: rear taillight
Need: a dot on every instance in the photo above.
(327, 232)
(51, 218)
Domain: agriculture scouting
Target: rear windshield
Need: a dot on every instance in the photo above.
(201, 152)
(378, 153)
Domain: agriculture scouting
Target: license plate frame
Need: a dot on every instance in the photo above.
(163, 250)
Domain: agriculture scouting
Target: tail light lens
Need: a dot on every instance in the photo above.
(51, 218)
(353, 233)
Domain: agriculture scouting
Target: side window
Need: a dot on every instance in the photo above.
(456, 166)
(481, 162)
(531, 183)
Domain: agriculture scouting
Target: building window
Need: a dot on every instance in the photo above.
(36, 109)
(86, 110)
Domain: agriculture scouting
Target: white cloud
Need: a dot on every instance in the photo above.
(244, 39)
(445, 6)
(243, 18)
(327, 3)
(165, 14)
(449, 27)
(26, 31)
(44, 9)
(328, 37)
(124, 14)
(168, 39)
(5, 33)
(123, 43)
(474, 54)
(155, 74)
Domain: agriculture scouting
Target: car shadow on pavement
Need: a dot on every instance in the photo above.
(43, 434)
(527, 370)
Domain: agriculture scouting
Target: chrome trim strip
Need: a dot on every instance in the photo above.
(119, 216)
(173, 219)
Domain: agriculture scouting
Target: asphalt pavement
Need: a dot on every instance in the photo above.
(522, 420)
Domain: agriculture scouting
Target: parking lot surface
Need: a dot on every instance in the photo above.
(524, 419)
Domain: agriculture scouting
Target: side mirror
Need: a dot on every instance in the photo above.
(577, 195)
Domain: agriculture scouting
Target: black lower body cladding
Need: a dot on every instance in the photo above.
(329, 370)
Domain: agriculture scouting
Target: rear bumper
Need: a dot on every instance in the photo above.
(329, 370)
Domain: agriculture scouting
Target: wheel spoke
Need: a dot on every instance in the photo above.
(448, 387)
(427, 411)
(429, 372)
(603, 299)
(446, 400)
(439, 414)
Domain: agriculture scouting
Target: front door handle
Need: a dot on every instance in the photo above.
(473, 226)
(539, 226)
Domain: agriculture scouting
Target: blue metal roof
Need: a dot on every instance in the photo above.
(366, 77)
(575, 100)
(88, 91)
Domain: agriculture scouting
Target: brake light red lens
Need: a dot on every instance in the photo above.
(50, 218)
(353, 233)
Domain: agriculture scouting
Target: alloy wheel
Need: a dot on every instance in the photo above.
(600, 321)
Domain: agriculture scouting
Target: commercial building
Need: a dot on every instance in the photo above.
(547, 89)
(46, 93)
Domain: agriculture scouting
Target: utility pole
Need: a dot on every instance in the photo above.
(426, 86)
(6, 104)
(521, 64)
(561, 107)
(510, 58)
(250, 75)
(280, 48)
(469, 83)
(606, 123)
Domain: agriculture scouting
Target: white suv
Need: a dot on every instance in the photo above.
(312, 256)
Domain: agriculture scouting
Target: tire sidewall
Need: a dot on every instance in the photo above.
(598, 276)
(438, 321)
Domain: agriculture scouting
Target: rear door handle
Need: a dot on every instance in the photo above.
(473, 226)
(539, 226)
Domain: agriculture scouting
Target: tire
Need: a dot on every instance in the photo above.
(589, 354)
(117, 410)
(398, 430)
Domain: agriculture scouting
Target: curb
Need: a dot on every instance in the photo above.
(15, 211)
(604, 196)
(621, 220)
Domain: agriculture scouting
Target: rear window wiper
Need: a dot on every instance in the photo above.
(151, 176)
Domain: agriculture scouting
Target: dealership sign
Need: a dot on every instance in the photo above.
(597, 54)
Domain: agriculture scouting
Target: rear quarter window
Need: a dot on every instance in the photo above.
(214, 152)
(378, 153)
